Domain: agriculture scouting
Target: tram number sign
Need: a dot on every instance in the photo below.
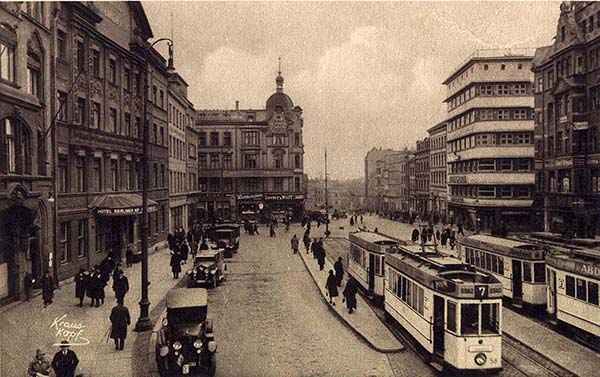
(481, 291)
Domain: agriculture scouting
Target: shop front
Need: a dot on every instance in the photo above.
(212, 207)
(262, 207)
(118, 221)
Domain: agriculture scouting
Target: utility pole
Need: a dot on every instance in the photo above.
(326, 199)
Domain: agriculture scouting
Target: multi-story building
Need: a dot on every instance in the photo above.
(438, 170)
(423, 202)
(404, 181)
(99, 131)
(180, 112)
(394, 197)
(315, 194)
(26, 196)
(567, 140)
(371, 178)
(490, 140)
(252, 160)
(411, 179)
(380, 183)
(193, 194)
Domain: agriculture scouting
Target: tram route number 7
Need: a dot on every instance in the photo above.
(481, 291)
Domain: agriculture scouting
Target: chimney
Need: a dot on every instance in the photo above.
(237, 105)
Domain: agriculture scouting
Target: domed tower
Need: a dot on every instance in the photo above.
(279, 101)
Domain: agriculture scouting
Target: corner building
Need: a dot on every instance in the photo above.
(251, 161)
(490, 140)
(438, 171)
(567, 137)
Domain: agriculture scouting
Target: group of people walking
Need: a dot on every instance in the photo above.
(334, 281)
(446, 237)
(92, 283)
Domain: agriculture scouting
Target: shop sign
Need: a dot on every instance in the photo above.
(563, 162)
(250, 197)
(299, 197)
(580, 125)
(588, 270)
(594, 161)
(279, 197)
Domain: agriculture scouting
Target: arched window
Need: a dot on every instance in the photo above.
(8, 44)
(15, 147)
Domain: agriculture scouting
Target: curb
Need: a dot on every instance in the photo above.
(347, 323)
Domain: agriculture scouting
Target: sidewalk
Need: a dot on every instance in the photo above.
(28, 326)
(551, 344)
(363, 321)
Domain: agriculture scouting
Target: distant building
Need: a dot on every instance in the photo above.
(373, 179)
(490, 140)
(422, 194)
(393, 181)
(251, 162)
(438, 170)
(567, 139)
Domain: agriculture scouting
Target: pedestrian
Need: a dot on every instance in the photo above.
(318, 222)
(28, 282)
(430, 233)
(271, 231)
(452, 240)
(437, 235)
(314, 248)
(460, 229)
(415, 235)
(175, 264)
(338, 266)
(376, 230)
(81, 280)
(349, 294)
(184, 250)
(39, 366)
(306, 241)
(203, 245)
(116, 271)
(120, 286)
(444, 237)
(120, 319)
(361, 219)
(321, 255)
(171, 241)
(94, 284)
(129, 256)
(65, 361)
(106, 267)
(255, 229)
(332, 287)
(294, 242)
(100, 284)
(47, 288)
(351, 220)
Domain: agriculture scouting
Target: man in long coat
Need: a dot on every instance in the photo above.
(47, 289)
(120, 319)
(339, 271)
(81, 280)
(294, 243)
(350, 294)
(65, 361)
(175, 264)
(331, 286)
(120, 286)
(321, 255)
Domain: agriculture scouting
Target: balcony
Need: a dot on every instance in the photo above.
(491, 102)
(494, 151)
(496, 178)
(489, 126)
(492, 202)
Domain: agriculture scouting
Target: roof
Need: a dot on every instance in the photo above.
(440, 126)
(373, 237)
(507, 242)
(279, 99)
(186, 298)
(120, 205)
(208, 253)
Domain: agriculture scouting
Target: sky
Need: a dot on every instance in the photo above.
(366, 74)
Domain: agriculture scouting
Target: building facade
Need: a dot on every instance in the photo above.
(251, 162)
(373, 178)
(438, 171)
(567, 139)
(26, 196)
(490, 140)
(181, 116)
(422, 194)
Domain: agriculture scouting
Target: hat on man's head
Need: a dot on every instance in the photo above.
(39, 352)
(64, 343)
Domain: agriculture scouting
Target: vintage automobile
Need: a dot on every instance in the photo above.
(185, 343)
(227, 237)
(209, 268)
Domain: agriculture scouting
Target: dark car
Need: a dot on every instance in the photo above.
(185, 344)
(208, 270)
(227, 237)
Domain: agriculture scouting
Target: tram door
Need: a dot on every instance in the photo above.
(371, 271)
(438, 325)
(552, 291)
(517, 280)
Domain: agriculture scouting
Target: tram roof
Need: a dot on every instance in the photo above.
(584, 262)
(506, 246)
(372, 237)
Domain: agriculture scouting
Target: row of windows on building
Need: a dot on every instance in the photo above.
(81, 173)
(491, 139)
(490, 192)
(582, 289)
(568, 141)
(438, 178)
(584, 180)
(486, 67)
(250, 160)
(177, 117)
(482, 115)
(248, 138)
(438, 142)
(277, 184)
(178, 182)
(422, 184)
(492, 165)
(178, 150)
(15, 147)
(490, 90)
(438, 160)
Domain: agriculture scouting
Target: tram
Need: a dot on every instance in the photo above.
(450, 308)
(367, 256)
(573, 281)
(518, 265)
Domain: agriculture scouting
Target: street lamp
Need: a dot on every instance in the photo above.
(143, 322)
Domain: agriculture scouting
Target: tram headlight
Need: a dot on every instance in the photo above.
(197, 343)
(164, 351)
(480, 359)
(177, 345)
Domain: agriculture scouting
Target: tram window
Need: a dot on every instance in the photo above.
(377, 264)
(501, 265)
(527, 271)
(399, 286)
(404, 289)
(477, 259)
(489, 319)
(469, 319)
(451, 316)
(469, 255)
(538, 272)
(408, 292)
(494, 263)
(488, 261)
(421, 302)
(570, 280)
(581, 290)
(592, 293)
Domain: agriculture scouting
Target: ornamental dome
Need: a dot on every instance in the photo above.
(279, 98)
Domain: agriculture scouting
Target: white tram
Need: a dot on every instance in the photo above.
(573, 281)
(452, 310)
(367, 255)
(518, 265)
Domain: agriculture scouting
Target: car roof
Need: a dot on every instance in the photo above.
(208, 253)
(227, 226)
(186, 298)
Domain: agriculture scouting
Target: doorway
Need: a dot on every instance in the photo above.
(113, 238)
(438, 325)
(517, 281)
(371, 272)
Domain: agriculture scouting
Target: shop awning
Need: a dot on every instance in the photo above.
(120, 205)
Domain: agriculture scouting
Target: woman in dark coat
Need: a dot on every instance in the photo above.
(120, 319)
(350, 294)
(47, 289)
(175, 264)
(415, 235)
(339, 271)
(184, 251)
(332, 287)
(80, 285)
(321, 256)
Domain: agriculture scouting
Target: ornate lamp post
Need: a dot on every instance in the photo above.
(143, 322)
